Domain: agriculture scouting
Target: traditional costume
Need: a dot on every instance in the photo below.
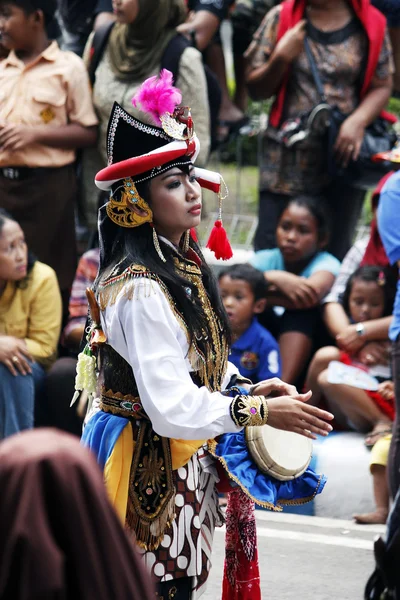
(160, 398)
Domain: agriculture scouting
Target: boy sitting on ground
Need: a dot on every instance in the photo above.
(255, 352)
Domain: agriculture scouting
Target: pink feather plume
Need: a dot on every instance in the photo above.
(157, 96)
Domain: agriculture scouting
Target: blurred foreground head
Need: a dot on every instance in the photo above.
(59, 535)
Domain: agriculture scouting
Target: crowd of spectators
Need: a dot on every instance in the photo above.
(309, 297)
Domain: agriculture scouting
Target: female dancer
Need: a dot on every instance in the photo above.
(163, 347)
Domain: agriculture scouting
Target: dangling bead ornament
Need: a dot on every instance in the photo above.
(86, 377)
(218, 241)
(86, 368)
(157, 244)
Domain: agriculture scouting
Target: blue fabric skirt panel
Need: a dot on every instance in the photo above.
(101, 434)
(266, 491)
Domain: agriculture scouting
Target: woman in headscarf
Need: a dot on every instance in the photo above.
(140, 44)
(162, 335)
(59, 537)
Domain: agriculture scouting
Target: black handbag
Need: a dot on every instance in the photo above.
(379, 136)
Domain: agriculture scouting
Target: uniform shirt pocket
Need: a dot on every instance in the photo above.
(49, 106)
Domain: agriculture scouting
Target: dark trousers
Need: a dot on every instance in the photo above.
(394, 453)
(53, 409)
(43, 204)
(344, 202)
(308, 322)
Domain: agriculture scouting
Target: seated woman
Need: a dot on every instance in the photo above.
(369, 295)
(299, 274)
(30, 322)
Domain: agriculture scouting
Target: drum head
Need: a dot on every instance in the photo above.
(282, 454)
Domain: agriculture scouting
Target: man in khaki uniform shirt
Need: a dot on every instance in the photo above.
(46, 113)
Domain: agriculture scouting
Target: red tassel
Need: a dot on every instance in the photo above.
(193, 234)
(218, 242)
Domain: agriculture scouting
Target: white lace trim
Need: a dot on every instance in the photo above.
(120, 113)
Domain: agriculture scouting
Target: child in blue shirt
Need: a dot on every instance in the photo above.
(254, 351)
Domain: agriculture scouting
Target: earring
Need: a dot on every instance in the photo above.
(128, 209)
(157, 245)
(186, 240)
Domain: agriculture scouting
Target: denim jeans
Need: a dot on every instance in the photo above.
(17, 399)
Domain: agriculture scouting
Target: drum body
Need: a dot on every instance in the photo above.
(281, 454)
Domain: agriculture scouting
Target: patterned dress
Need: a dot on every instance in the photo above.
(340, 57)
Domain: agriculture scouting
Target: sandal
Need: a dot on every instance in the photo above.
(376, 434)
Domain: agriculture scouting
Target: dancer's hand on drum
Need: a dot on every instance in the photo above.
(292, 413)
(273, 387)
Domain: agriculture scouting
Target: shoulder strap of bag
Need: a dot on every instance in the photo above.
(99, 43)
(314, 70)
(172, 54)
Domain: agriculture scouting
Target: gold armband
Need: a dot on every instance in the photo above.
(248, 411)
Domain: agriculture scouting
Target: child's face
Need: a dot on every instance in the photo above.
(16, 27)
(297, 234)
(238, 300)
(366, 301)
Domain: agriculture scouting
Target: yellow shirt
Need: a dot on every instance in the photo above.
(52, 90)
(33, 312)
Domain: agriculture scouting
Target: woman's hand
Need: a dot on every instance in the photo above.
(349, 140)
(291, 413)
(375, 353)
(297, 289)
(273, 387)
(14, 355)
(292, 43)
(349, 340)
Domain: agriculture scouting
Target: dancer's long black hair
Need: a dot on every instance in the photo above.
(135, 246)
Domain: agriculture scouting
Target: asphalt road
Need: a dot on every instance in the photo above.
(305, 558)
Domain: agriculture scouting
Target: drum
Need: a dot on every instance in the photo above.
(281, 454)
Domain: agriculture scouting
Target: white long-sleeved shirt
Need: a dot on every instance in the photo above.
(146, 333)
